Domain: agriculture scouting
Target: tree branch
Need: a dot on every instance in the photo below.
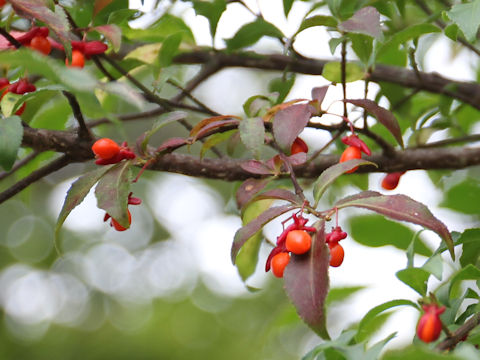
(468, 92)
(460, 334)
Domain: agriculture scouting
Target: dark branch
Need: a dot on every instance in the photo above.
(83, 130)
(460, 334)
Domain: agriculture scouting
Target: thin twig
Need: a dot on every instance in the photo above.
(19, 164)
(36, 175)
(10, 38)
(344, 76)
(83, 130)
(460, 334)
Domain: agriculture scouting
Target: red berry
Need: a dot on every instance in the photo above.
(78, 59)
(2, 2)
(105, 148)
(390, 181)
(119, 227)
(336, 254)
(430, 326)
(298, 146)
(351, 153)
(41, 44)
(298, 242)
(279, 263)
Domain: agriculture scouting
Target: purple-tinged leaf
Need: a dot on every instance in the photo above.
(280, 194)
(38, 9)
(172, 143)
(384, 116)
(112, 33)
(318, 93)
(256, 167)
(77, 192)
(252, 134)
(214, 125)
(306, 282)
(399, 207)
(364, 21)
(196, 129)
(298, 158)
(330, 174)
(248, 190)
(288, 123)
(247, 231)
(112, 192)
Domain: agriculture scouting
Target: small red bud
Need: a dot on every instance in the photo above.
(390, 181)
(430, 326)
(298, 146)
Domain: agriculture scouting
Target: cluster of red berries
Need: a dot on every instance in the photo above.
(108, 152)
(354, 150)
(295, 239)
(114, 223)
(21, 87)
(430, 326)
(82, 50)
(37, 38)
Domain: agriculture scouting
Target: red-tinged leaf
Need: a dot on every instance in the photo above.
(196, 129)
(306, 282)
(38, 9)
(273, 110)
(399, 207)
(112, 192)
(100, 5)
(298, 159)
(214, 125)
(364, 21)
(247, 231)
(248, 190)
(318, 94)
(280, 194)
(330, 174)
(384, 116)
(256, 167)
(288, 123)
(112, 33)
(77, 193)
(172, 143)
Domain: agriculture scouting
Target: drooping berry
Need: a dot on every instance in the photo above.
(41, 44)
(350, 153)
(336, 254)
(78, 59)
(119, 227)
(105, 148)
(298, 242)
(279, 263)
(298, 146)
(430, 326)
(390, 181)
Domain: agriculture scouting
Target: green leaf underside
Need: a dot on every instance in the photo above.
(250, 33)
(11, 134)
(332, 173)
(467, 17)
(247, 231)
(252, 134)
(216, 139)
(416, 278)
(112, 192)
(77, 192)
(247, 257)
(248, 189)
(306, 282)
(332, 71)
(399, 207)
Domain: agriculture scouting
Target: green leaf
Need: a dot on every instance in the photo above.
(330, 174)
(282, 86)
(10, 103)
(418, 353)
(400, 207)
(11, 134)
(306, 282)
(467, 17)
(341, 294)
(169, 49)
(470, 240)
(247, 257)
(317, 20)
(374, 312)
(416, 278)
(365, 21)
(163, 120)
(398, 235)
(77, 192)
(332, 71)
(212, 11)
(434, 266)
(463, 197)
(112, 192)
(469, 272)
(215, 139)
(252, 134)
(287, 6)
(250, 33)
